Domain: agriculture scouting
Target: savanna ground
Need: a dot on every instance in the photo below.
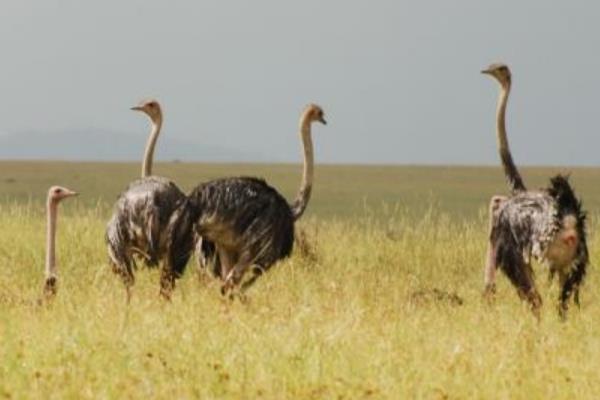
(386, 302)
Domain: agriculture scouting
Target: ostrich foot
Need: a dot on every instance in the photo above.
(50, 287)
(232, 291)
(489, 293)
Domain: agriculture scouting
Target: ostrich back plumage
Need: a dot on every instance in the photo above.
(140, 218)
(246, 215)
(529, 221)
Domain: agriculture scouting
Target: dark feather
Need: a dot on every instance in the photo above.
(139, 221)
(242, 214)
(568, 204)
(245, 213)
(527, 224)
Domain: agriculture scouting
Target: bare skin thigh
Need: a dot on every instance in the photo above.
(234, 277)
(490, 271)
(126, 275)
(528, 292)
(490, 265)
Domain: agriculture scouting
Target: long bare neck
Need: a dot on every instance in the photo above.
(51, 208)
(303, 196)
(149, 152)
(515, 182)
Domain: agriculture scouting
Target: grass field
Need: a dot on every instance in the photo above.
(359, 317)
(340, 192)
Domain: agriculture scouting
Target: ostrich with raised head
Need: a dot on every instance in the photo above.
(547, 225)
(142, 212)
(206, 253)
(244, 220)
(55, 195)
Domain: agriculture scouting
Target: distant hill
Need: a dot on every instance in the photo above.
(100, 145)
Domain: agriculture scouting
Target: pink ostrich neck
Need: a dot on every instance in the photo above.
(52, 207)
(149, 152)
(303, 196)
(501, 117)
(515, 181)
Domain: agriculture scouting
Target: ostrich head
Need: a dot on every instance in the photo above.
(151, 108)
(499, 71)
(57, 193)
(315, 113)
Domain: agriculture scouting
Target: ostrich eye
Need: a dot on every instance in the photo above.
(58, 191)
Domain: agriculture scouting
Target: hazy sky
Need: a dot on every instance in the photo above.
(399, 80)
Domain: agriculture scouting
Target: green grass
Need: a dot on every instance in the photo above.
(355, 321)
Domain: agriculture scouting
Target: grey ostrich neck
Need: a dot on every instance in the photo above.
(303, 196)
(149, 152)
(510, 169)
(52, 208)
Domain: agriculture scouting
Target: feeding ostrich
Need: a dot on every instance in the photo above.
(247, 221)
(547, 225)
(55, 195)
(142, 212)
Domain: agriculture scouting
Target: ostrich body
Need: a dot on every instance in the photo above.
(243, 220)
(248, 222)
(205, 250)
(142, 214)
(55, 195)
(547, 225)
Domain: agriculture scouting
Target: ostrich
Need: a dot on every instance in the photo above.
(547, 225)
(142, 213)
(206, 253)
(55, 195)
(243, 220)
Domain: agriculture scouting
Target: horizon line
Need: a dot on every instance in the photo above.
(323, 163)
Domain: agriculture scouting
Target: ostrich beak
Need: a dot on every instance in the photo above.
(72, 193)
(322, 120)
(136, 108)
(486, 72)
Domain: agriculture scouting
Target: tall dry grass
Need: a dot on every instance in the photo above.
(386, 305)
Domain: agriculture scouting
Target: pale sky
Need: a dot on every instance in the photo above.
(399, 81)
